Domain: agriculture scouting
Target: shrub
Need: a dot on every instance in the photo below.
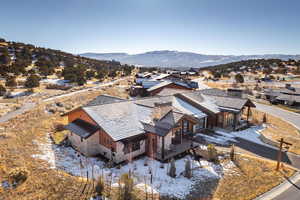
(11, 81)
(172, 171)
(188, 169)
(100, 186)
(126, 187)
(232, 153)
(2, 90)
(18, 176)
(32, 81)
(265, 118)
(212, 152)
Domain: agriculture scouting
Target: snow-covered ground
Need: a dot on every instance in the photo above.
(55, 81)
(67, 159)
(224, 138)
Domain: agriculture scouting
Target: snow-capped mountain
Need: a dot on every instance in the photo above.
(180, 59)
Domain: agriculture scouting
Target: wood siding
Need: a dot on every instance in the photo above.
(104, 138)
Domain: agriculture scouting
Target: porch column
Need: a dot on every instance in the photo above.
(248, 114)
(234, 120)
(163, 148)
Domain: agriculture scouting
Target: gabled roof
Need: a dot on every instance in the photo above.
(159, 85)
(166, 83)
(82, 128)
(291, 98)
(170, 91)
(120, 120)
(104, 99)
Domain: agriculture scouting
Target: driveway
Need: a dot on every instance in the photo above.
(288, 116)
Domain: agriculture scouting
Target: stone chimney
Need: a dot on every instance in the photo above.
(161, 109)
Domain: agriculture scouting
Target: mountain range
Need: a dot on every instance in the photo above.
(181, 59)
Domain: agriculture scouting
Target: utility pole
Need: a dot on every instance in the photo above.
(279, 156)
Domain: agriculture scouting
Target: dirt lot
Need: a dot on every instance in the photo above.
(278, 128)
(250, 178)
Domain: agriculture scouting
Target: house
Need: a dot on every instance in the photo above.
(288, 95)
(153, 84)
(160, 127)
(168, 84)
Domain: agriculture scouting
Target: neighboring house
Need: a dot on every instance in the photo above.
(168, 84)
(287, 96)
(160, 127)
(151, 85)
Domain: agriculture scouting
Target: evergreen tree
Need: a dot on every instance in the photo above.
(2, 90)
(11, 81)
(32, 81)
(239, 78)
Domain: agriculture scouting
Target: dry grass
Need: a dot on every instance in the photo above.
(288, 108)
(278, 128)
(19, 144)
(252, 178)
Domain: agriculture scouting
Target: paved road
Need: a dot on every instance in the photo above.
(291, 117)
(28, 106)
(293, 193)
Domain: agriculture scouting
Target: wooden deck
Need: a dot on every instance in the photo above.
(176, 150)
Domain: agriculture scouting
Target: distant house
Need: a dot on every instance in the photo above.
(168, 84)
(160, 127)
(153, 84)
(287, 96)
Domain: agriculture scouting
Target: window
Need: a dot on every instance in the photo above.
(200, 125)
(185, 126)
(136, 146)
(132, 146)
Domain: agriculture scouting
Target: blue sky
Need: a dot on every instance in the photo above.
(135, 26)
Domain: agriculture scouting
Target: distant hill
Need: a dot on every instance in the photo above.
(179, 59)
(24, 59)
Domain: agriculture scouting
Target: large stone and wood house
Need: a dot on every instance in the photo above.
(160, 126)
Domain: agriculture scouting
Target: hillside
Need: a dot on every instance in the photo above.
(267, 66)
(181, 59)
(19, 59)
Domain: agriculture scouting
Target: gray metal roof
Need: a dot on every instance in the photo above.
(82, 128)
(120, 120)
(155, 129)
(157, 86)
(229, 102)
(170, 91)
(203, 100)
(104, 99)
(291, 98)
(214, 91)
